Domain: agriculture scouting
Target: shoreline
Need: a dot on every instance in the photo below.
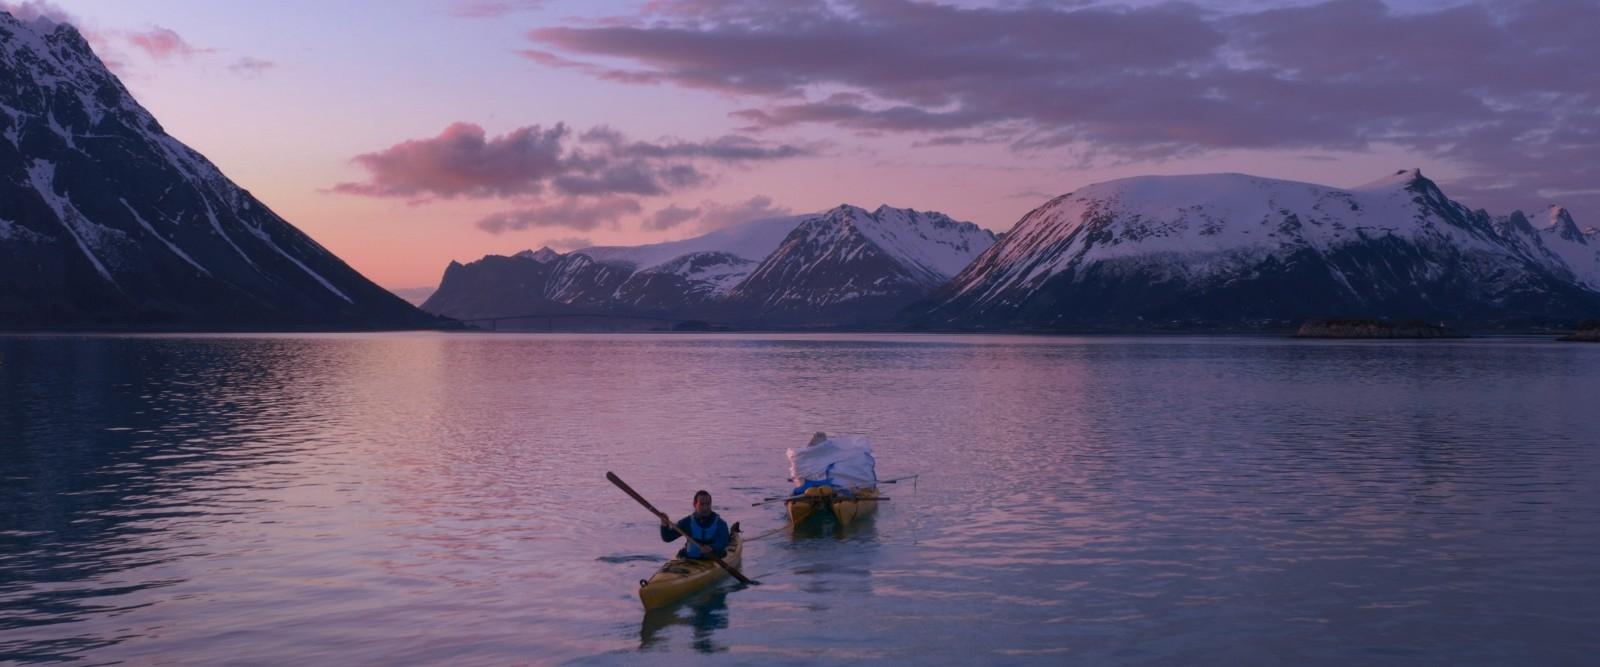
(1562, 336)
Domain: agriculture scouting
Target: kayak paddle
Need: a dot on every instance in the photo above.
(662, 515)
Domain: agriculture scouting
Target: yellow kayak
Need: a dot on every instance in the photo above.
(860, 505)
(679, 577)
(807, 504)
(824, 499)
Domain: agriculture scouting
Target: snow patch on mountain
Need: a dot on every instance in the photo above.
(1205, 225)
(788, 269)
(13, 127)
(931, 243)
(715, 271)
(157, 235)
(1234, 249)
(260, 234)
(90, 237)
(11, 231)
(847, 255)
(749, 240)
(1578, 249)
(544, 255)
(216, 227)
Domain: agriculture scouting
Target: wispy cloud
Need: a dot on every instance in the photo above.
(569, 213)
(568, 243)
(158, 44)
(163, 44)
(670, 217)
(1033, 194)
(488, 9)
(251, 67)
(33, 10)
(710, 215)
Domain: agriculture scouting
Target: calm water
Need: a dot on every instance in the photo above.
(431, 498)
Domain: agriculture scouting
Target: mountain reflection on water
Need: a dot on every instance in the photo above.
(430, 498)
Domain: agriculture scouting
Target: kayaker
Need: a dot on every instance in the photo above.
(704, 526)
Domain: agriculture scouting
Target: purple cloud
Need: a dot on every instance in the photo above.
(251, 67)
(716, 215)
(158, 43)
(1507, 91)
(568, 243)
(1033, 194)
(632, 178)
(727, 148)
(570, 213)
(670, 217)
(919, 53)
(856, 116)
(163, 44)
(959, 140)
(488, 9)
(33, 10)
(463, 161)
(548, 59)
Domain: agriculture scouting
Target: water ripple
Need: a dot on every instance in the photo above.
(420, 498)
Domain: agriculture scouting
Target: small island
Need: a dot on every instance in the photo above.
(1588, 331)
(1374, 329)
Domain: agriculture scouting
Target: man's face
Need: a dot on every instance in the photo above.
(702, 505)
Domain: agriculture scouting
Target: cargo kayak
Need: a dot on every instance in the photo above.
(680, 577)
(823, 500)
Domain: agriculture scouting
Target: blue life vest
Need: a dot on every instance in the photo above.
(705, 535)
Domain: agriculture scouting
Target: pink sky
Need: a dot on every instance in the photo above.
(404, 135)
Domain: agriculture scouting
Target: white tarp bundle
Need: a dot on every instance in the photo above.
(845, 461)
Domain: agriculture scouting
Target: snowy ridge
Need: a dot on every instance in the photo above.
(543, 255)
(1162, 245)
(58, 59)
(79, 154)
(749, 240)
(930, 243)
(715, 272)
(845, 264)
(1577, 249)
(1207, 224)
(813, 268)
(880, 259)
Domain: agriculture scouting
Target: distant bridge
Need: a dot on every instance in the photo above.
(607, 321)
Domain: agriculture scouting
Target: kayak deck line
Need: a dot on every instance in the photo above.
(846, 509)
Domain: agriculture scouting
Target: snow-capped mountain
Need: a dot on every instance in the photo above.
(847, 263)
(751, 240)
(667, 279)
(1578, 249)
(106, 220)
(843, 265)
(543, 255)
(1237, 250)
(692, 272)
